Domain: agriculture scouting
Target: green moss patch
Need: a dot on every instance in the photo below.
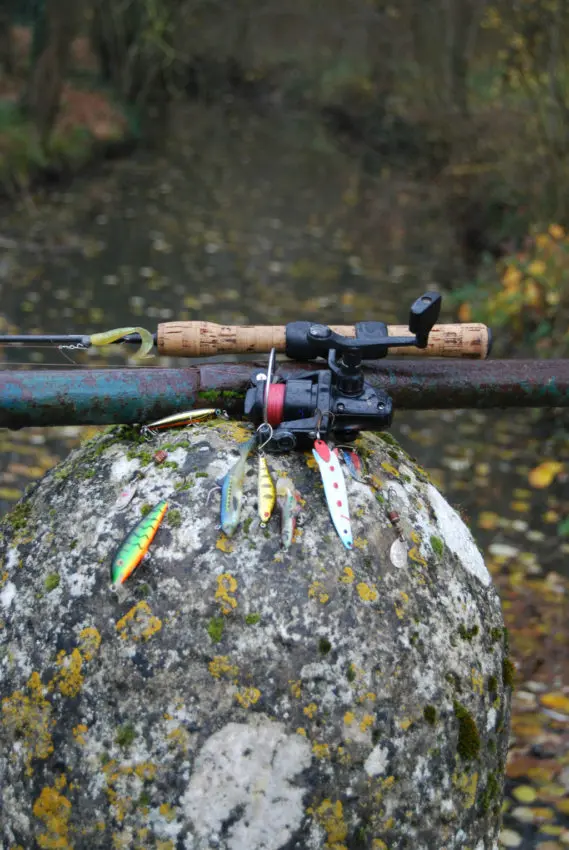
(468, 746)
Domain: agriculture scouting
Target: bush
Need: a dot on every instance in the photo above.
(525, 295)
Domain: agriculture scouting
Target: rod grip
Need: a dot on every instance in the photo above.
(206, 339)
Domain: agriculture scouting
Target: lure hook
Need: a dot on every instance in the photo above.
(262, 427)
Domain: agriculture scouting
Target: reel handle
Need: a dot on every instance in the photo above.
(470, 341)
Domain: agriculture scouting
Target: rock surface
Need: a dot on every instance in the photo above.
(242, 697)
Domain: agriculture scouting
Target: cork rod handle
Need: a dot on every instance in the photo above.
(205, 339)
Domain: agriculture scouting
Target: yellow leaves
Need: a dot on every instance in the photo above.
(556, 231)
(556, 701)
(544, 474)
(488, 520)
(511, 278)
(465, 313)
(525, 794)
(537, 268)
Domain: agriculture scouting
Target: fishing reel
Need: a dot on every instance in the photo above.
(335, 402)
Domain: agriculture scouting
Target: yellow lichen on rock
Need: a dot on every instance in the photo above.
(139, 623)
(347, 576)
(247, 697)
(220, 666)
(69, 677)
(467, 785)
(477, 681)
(79, 733)
(89, 642)
(318, 591)
(224, 543)
(330, 816)
(28, 719)
(295, 687)
(54, 810)
(226, 587)
(367, 592)
(415, 556)
(321, 751)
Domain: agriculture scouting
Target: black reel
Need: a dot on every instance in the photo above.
(335, 402)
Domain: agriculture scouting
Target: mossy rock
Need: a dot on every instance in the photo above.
(238, 695)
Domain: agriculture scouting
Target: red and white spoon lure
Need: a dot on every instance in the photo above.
(334, 490)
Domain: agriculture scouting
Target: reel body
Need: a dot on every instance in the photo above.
(335, 402)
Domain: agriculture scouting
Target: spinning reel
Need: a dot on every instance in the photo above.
(335, 402)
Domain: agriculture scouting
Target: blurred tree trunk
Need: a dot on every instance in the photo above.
(6, 53)
(53, 34)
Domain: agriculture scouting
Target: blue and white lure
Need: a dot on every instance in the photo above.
(232, 489)
(334, 490)
(354, 464)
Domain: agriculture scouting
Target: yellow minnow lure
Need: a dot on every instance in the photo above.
(135, 545)
(266, 493)
(106, 337)
(187, 417)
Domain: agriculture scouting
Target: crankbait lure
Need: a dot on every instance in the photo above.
(354, 464)
(266, 493)
(135, 545)
(232, 489)
(334, 490)
(106, 337)
(288, 501)
(187, 417)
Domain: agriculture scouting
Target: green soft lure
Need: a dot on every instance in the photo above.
(135, 545)
(107, 337)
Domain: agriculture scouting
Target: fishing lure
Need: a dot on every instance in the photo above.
(266, 493)
(354, 464)
(288, 500)
(398, 550)
(135, 545)
(334, 490)
(232, 489)
(126, 495)
(106, 337)
(186, 417)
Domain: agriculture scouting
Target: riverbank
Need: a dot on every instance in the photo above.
(91, 125)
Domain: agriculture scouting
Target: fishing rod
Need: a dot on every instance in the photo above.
(338, 398)
(206, 339)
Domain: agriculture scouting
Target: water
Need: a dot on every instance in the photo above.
(241, 218)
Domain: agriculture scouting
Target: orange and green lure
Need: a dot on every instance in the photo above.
(135, 546)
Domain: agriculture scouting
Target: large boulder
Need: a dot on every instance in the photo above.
(237, 695)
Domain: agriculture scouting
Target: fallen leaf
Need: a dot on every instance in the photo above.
(542, 475)
(557, 701)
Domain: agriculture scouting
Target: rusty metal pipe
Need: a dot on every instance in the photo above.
(106, 396)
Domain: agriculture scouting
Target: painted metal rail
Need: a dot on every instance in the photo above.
(41, 397)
